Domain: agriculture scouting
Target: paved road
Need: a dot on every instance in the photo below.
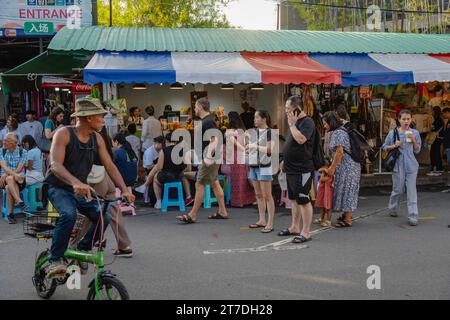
(174, 261)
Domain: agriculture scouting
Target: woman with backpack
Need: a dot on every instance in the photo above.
(346, 171)
(408, 142)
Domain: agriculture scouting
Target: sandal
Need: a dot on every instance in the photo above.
(325, 224)
(255, 226)
(286, 232)
(217, 216)
(301, 239)
(342, 224)
(266, 230)
(318, 221)
(186, 219)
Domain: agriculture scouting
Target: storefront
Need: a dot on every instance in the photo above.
(372, 74)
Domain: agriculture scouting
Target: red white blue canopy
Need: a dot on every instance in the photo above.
(267, 68)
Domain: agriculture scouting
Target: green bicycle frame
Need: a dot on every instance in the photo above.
(92, 258)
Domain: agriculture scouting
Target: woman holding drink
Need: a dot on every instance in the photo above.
(406, 166)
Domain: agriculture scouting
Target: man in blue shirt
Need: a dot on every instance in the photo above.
(12, 162)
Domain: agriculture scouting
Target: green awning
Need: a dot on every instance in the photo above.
(28, 76)
(97, 38)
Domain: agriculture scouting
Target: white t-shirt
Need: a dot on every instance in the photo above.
(150, 130)
(150, 155)
(33, 129)
(135, 143)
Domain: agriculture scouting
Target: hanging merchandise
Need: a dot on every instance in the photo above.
(365, 93)
(311, 109)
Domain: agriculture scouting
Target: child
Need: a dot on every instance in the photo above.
(325, 197)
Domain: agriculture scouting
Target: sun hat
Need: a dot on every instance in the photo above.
(88, 107)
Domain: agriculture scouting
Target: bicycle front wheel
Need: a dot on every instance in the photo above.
(45, 287)
(110, 288)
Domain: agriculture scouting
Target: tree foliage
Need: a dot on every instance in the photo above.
(164, 13)
(346, 18)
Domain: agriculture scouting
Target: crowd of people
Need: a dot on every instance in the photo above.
(249, 135)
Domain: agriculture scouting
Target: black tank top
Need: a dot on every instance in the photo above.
(169, 166)
(78, 160)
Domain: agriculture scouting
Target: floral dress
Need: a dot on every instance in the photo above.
(347, 175)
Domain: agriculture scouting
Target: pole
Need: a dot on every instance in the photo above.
(110, 13)
(278, 16)
(41, 45)
(94, 13)
(381, 135)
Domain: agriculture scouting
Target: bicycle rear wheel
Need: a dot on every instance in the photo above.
(45, 287)
(111, 288)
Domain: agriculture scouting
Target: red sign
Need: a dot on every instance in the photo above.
(81, 87)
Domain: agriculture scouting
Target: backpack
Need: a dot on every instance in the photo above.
(318, 154)
(358, 145)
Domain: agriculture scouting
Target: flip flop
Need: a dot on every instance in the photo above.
(218, 216)
(186, 219)
(266, 230)
(286, 232)
(255, 226)
(301, 239)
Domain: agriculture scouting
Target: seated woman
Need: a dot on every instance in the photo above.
(34, 161)
(125, 159)
(168, 171)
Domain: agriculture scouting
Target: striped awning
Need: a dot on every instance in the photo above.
(267, 68)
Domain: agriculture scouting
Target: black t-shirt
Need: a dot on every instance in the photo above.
(298, 158)
(207, 123)
(248, 118)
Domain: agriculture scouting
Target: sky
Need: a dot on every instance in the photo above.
(252, 14)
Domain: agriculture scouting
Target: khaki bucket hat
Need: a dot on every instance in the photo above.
(88, 107)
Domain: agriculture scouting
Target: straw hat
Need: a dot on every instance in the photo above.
(88, 107)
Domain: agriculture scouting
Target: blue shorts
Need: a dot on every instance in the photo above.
(448, 156)
(259, 174)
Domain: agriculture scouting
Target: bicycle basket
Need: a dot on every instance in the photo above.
(42, 225)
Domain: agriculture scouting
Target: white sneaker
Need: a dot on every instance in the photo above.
(158, 204)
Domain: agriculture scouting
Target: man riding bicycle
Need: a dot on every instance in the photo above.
(73, 152)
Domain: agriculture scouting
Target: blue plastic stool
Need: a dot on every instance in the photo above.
(17, 210)
(228, 190)
(34, 201)
(208, 199)
(166, 202)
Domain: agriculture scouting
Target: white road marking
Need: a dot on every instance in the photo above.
(277, 245)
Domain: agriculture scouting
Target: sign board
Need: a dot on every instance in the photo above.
(28, 18)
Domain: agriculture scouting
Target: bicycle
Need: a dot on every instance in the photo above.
(41, 226)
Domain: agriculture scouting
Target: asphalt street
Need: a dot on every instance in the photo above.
(224, 259)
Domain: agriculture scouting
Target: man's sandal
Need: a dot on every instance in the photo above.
(301, 239)
(186, 219)
(218, 216)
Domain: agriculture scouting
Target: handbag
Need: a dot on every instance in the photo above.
(390, 158)
(96, 175)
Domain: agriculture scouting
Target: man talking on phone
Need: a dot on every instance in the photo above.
(299, 167)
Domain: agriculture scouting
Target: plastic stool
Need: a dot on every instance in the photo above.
(228, 190)
(179, 202)
(17, 209)
(126, 210)
(207, 198)
(33, 199)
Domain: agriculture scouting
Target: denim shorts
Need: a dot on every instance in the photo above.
(259, 174)
(448, 156)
